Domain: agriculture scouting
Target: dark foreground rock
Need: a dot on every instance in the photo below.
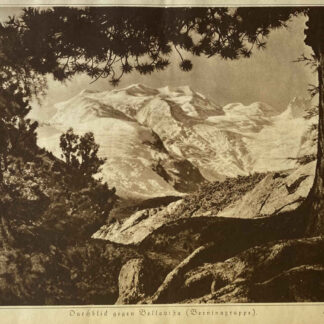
(282, 271)
(133, 281)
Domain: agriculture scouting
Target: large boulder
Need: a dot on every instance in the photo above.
(133, 282)
(276, 193)
(282, 271)
(138, 226)
(172, 282)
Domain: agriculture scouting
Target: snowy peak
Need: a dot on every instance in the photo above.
(87, 91)
(177, 91)
(138, 90)
(169, 140)
(297, 108)
(254, 109)
(132, 99)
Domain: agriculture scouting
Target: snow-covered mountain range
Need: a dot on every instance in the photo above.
(164, 141)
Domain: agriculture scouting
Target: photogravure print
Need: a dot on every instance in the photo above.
(162, 162)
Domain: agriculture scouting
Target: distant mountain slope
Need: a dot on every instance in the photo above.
(161, 142)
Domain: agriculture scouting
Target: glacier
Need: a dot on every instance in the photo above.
(167, 141)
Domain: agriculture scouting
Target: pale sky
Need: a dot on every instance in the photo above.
(269, 75)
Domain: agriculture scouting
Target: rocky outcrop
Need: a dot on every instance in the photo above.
(282, 271)
(166, 291)
(138, 226)
(225, 257)
(276, 193)
(131, 282)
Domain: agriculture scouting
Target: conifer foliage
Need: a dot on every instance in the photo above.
(17, 133)
(81, 152)
(108, 42)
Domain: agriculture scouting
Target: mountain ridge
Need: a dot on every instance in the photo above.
(216, 142)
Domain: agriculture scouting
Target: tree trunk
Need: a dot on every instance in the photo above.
(315, 200)
(314, 204)
(5, 161)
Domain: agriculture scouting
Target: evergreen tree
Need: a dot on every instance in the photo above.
(81, 152)
(69, 143)
(111, 41)
(17, 133)
(88, 151)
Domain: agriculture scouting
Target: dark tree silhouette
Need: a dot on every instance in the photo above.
(69, 145)
(88, 151)
(109, 42)
(17, 133)
(81, 152)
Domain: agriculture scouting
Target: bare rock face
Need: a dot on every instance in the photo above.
(132, 282)
(138, 226)
(167, 290)
(282, 271)
(276, 193)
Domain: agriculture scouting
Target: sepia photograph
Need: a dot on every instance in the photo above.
(154, 155)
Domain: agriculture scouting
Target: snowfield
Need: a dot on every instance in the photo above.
(166, 141)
